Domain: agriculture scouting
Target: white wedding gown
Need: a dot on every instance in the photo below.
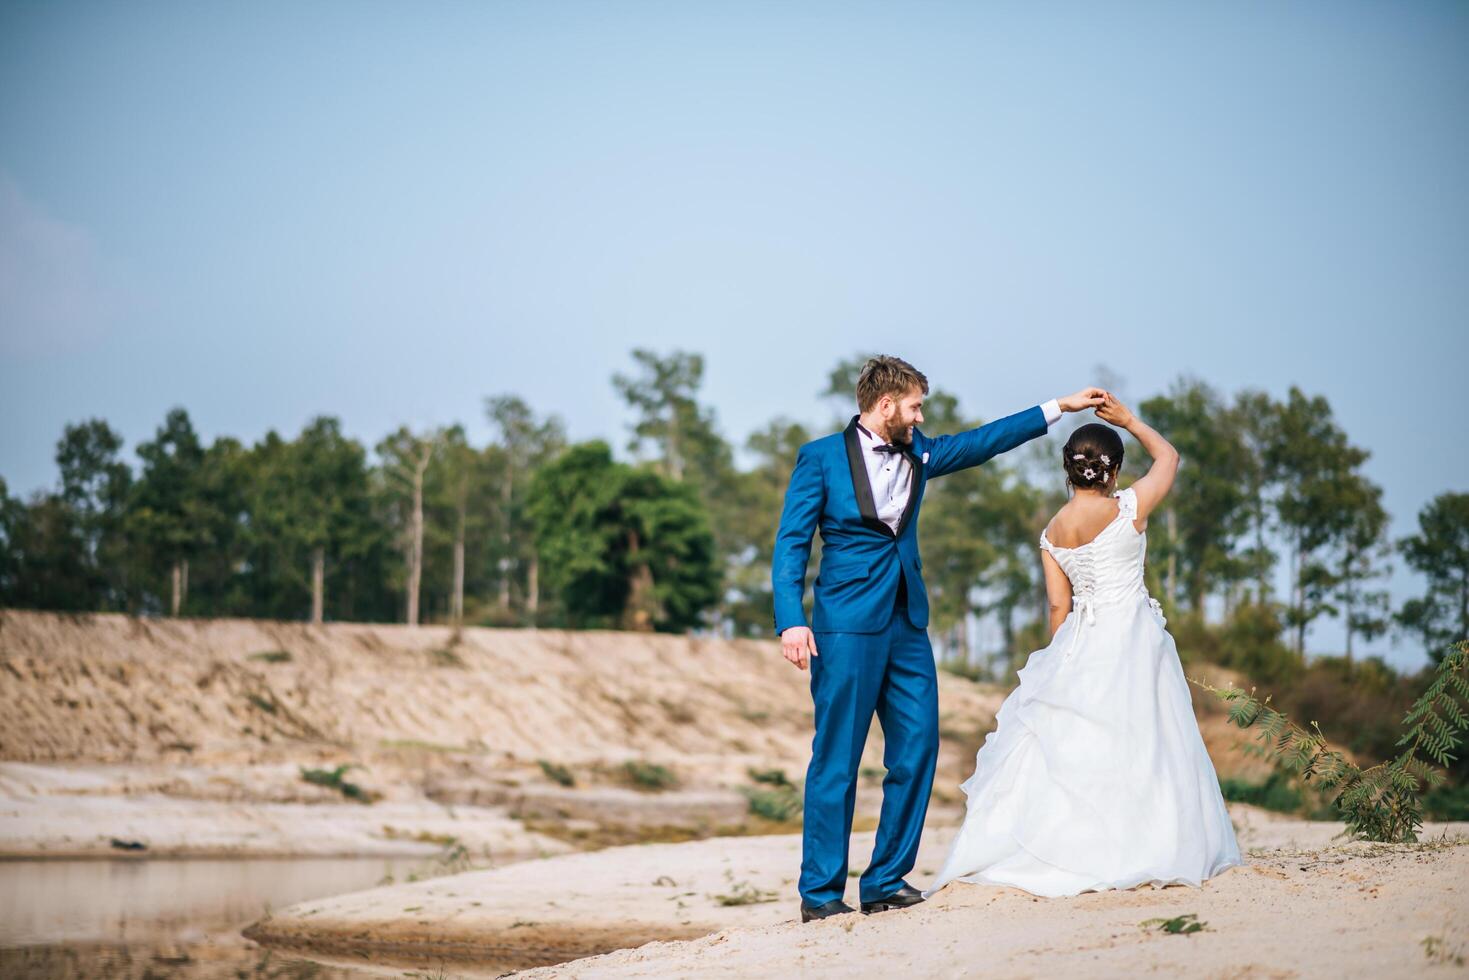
(1096, 776)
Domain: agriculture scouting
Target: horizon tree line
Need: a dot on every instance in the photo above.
(531, 530)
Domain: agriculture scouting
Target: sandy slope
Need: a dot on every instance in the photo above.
(191, 734)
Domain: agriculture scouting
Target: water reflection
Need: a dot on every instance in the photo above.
(155, 919)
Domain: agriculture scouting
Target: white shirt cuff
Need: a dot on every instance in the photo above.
(1052, 410)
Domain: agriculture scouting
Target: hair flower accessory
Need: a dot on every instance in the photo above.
(1106, 460)
(1079, 456)
(1088, 472)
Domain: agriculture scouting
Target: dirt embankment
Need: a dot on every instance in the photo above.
(190, 736)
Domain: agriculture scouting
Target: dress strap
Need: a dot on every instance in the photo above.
(1127, 503)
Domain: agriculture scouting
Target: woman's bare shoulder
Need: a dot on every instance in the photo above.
(1078, 522)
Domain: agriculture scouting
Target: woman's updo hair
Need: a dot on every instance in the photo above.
(1092, 457)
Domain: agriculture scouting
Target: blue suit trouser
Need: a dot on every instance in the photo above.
(854, 675)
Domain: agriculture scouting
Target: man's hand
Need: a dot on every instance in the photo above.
(795, 642)
(1083, 399)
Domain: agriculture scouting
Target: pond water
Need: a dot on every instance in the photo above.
(167, 919)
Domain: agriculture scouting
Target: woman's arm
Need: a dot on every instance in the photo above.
(1058, 591)
(1153, 485)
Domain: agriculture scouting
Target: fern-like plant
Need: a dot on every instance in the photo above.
(1384, 802)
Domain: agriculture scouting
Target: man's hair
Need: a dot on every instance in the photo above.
(884, 375)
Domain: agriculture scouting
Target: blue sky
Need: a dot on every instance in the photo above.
(267, 211)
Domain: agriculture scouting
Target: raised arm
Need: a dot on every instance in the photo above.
(1153, 485)
(965, 449)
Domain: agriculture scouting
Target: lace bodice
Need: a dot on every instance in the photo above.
(1109, 567)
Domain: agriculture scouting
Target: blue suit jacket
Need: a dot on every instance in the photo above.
(861, 557)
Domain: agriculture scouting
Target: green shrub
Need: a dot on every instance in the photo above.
(1275, 793)
(557, 773)
(333, 779)
(1384, 802)
(772, 777)
(1447, 803)
(648, 775)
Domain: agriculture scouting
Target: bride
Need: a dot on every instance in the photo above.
(1096, 776)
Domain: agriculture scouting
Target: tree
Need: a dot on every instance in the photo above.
(670, 417)
(622, 546)
(526, 444)
(1208, 510)
(42, 564)
(310, 509)
(841, 386)
(1362, 551)
(164, 512)
(1253, 417)
(1440, 552)
(461, 501)
(686, 438)
(406, 458)
(1314, 464)
(95, 483)
(757, 495)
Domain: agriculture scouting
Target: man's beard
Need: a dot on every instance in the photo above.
(900, 436)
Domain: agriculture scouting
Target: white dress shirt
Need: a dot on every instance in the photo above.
(891, 474)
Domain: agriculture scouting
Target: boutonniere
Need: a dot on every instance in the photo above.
(925, 459)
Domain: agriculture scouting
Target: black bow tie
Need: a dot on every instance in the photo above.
(888, 447)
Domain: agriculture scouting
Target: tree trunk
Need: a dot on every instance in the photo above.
(318, 583)
(178, 587)
(533, 587)
(457, 610)
(415, 562)
(640, 612)
(506, 494)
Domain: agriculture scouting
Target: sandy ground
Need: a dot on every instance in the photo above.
(1297, 908)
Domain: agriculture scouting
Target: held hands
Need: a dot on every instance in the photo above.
(1114, 412)
(795, 643)
(1083, 399)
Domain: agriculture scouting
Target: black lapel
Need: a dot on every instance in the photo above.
(861, 486)
(916, 482)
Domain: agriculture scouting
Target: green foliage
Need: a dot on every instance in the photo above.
(1276, 793)
(1440, 552)
(334, 779)
(775, 797)
(1179, 925)
(649, 775)
(271, 656)
(557, 773)
(1210, 500)
(781, 805)
(770, 777)
(622, 546)
(1384, 802)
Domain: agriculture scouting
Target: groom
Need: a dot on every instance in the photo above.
(867, 645)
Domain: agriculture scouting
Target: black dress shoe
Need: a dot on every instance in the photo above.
(834, 907)
(900, 899)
